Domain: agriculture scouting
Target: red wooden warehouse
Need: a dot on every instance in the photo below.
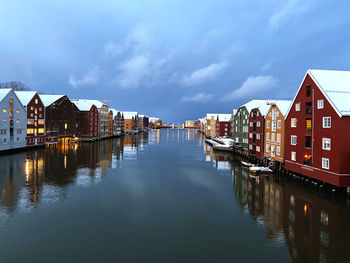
(317, 128)
(223, 125)
(35, 111)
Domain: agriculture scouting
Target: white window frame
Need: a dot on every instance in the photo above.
(293, 156)
(325, 163)
(324, 120)
(320, 104)
(267, 136)
(325, 143)
(268, 124)
(291, 139)
(278, 137)
(279, 124)
(297, 107)
(291, 122)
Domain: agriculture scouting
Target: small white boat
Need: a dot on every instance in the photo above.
(247, 164)
(261, 169)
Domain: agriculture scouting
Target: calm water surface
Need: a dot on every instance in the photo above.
(164, 196)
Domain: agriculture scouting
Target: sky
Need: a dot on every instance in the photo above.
(175, 60)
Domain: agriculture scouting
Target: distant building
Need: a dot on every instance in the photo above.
(35, 117)
(62, 118)
(211, 124)
(130, 121)
(12, 121)
(190, 124)
(223, 125)
(118, 122)
(110, 123)
(143, 122)
(233, 114)
(89, 119)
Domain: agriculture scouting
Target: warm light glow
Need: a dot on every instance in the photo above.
(65, 162)
(305, 156)
(306, 209)
(65, 126)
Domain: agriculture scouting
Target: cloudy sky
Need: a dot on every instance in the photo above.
(175, 60)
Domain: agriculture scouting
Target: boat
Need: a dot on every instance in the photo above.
(247, 164)
(260, 169)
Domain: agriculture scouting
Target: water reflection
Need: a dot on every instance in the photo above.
(314, 225)
(42, 176)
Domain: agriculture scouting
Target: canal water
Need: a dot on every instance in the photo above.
(162, 196)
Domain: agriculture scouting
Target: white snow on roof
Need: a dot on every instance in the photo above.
(224, 117)
(129, 114)
(114, 111)
(83, 105)
(336, 86)
(25, 96)
(3, 93)
(208, 116)
(49, 99)
(263, 105)
(97, 103)
(283, 105)
(153, 119)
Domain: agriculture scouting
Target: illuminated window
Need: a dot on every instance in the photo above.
(293, 122)
(308, 124)
(41, 122)
(17, 111)
(17, 121)
(30, 121)
(36, 111)
(41, 130)
(30, 131)
(36, 101)
(4, 110)
(293, 156)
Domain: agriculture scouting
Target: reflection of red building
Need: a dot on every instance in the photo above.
(35, 117)
(317, 125)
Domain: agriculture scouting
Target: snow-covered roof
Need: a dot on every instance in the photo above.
(83, 105)
(97, 103)
(335, 85)
(3, 93)
(114, 111)
(25, 96)
(224, 117)
(49, 99)
(262, 105)
(153, 119)
(129, 114)
(282, 105)
(208, 116)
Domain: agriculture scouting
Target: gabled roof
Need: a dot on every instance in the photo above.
(114, 111)
(282, 105)
(47, 100)
(83, 105)
(263, 106)
(25, 96)
(208, 116)
(97, 103)
(335, 86)
(3, 93)
(129, 114)
(224, 117)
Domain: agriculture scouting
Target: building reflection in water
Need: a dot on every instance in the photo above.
(42, 176)
(314, 225)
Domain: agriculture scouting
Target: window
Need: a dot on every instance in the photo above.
(293, 156)
(258, 124)
(320, 104)
(268, 124)
(32, 108)
(278, 150)
(36, 101)
(308, 90)
(326, 122)
(30, 131)
(258, 148)
(17, 121)
(17, 111)
(250, 135)
(308, 107)
(30, 121)
(3, 132)
(250, 147)
(267, 147)
(4, 120)
(250, 124)
(279, 124)
(4, 110)
(326, 144)
(274, 114)
(268, 136)
(41, 122)
(273, 137)
(307, 141)
(293, 140)
(273, 128)
(278, 137)
(325, 163)
(293, 122)
(19, 131)
(297, 107)
(40, 130)
(258, 136)
(308, 124)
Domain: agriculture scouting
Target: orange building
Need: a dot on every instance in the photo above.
(110, 123)
(131, 121)
(210, 129)
(275, 130)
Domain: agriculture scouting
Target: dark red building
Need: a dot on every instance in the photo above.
(256, 131)
(223, 125)
(317, 127)
(89, 119)
(35, 111)
(62, 118)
